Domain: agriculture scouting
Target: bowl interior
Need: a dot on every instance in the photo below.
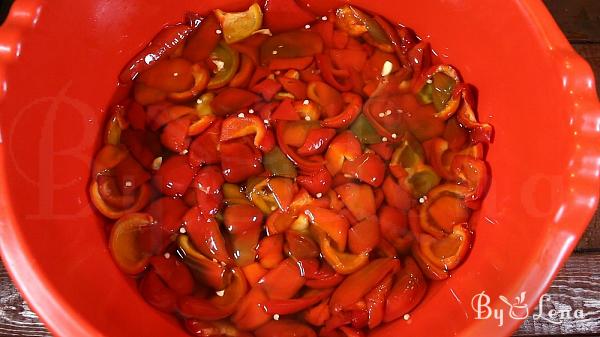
(544, 172)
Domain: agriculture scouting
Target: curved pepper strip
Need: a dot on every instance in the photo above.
(201, 125)
(349, 114)
(473, 172)
(125, 245)
(410, 168)
(480, 132)
(343, 147)
(407, 292)
(454, 102)
(236, 127)
(143, 197)
(111, 194)
(317, 141)
(419, 57)
(206, 235)
(342, 262)
(201, 79)
(457, 191)
(329, 73)
(360, 283)
(291, 306)
(446, 253)
(162, 45)
(108, 158)
(207, 271)
(376, 301)
(430, 270)
(216, 307)
(333, 224)
(308, 166)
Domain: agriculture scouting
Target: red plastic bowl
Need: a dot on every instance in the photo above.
(533, 88)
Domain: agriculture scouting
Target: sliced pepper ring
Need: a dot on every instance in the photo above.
(448, 252)
(447, 105)
(142, 199)
(201, 79)
(227, 62)
(428, 225)
(343, 263)
(209, 272)
(240, 25)
(236, 127)
(480, 132)
(305, 165)
(124, 243)
(348, 115)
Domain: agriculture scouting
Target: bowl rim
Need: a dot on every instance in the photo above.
(63, 320)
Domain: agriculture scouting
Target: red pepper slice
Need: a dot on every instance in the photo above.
(174, 273)
(480, 132)
(305, 165)
(231, 100)
(318, 315)
(419, 58)
(203, 41)
(319, 182)
(368, 168)
(285, 112)
(283, 15)
(300, 246)
(293, 86)
(250, 314)
(473, 172)
(236, 127)
(125, 242)
(267, 88)
(201, 79)
(203, 150)
(216, 307)
(291, 306)
(291, 45)
(254, 272)
(209, 194)
(343, 263)
(448, 252)
(364, 236)
(162, 45)
(243, 246)
(348, 115)
(455, 134)
(287, 270)
(326, 282)
(331, 75)
(157, 293)
(175, 135)
(270, 251)
(326, 97)
(250, 47)
(357, 285)
(174, 176)
(206, 235)
(205, 270)
(376, 302)
(453, 102)
(395, 195)
(349, 58)
(330, 222)
(430, 270)
(358, 198)
(168, 213)
(172, 75)
(445, 207)
(244, 74)
(393, 224)
(240, 161)
(343, 147)
(316, 141)
(240, 218)
(284, 190)
(407, 292)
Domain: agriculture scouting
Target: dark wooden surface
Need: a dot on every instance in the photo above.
(577, 285)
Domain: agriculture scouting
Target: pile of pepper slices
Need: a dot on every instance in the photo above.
(300, 176)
